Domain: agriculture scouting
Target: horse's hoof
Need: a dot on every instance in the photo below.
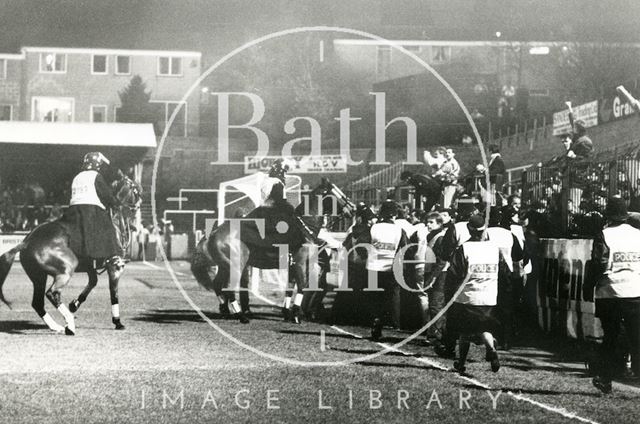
(296, 315)
(376, 330)
(74, 305)
(117, 323)
(242, 318)
(286, 314)
(69, 332)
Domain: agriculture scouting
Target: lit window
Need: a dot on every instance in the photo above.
(123, 65)
(98, 113)
(6, 112)
(170, 66)
(52, 109)
(99, 64)
(53, 62)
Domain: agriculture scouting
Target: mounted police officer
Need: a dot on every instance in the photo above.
(616, 259)
(93, 235)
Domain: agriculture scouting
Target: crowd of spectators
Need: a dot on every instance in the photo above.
(25, 206)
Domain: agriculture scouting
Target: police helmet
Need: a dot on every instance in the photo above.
(94, 161)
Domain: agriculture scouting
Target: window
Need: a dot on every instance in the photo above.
(3, 68)
(53, 63)
(52, 109)
(123, 65)
(170, 66)
(440, 54)
(164, 110)
(383, 62)
(99, 64)
(98, 113)
(6, 112)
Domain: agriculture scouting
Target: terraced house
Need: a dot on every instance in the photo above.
(59, 84)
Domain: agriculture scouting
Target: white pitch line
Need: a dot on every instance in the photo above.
(154, 266)
(435, 364)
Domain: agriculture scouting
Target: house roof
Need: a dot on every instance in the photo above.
(78, 134)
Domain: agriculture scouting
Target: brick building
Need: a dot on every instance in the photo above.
(82, 84)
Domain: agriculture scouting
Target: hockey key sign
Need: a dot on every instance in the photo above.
(325, 164)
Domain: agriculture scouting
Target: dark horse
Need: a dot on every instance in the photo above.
(45, 251)
(425, 186)
(224, 243)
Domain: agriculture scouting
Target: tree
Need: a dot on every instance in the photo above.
(135, 104)
(586, 70)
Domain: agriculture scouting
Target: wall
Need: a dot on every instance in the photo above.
(88, 89)
(10, 86)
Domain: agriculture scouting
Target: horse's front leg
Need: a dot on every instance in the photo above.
(115, 268)
(238, 280)
(54, 295)
(74, 305)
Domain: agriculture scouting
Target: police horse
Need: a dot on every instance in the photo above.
(45, 251)
(224, 249)
(425, 186)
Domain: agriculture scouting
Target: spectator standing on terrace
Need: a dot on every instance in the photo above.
(581, 146)
(496, 165)
(448, 174)
(435, 161)
(616, 260)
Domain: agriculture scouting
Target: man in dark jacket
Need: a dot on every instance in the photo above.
(496, 165)
(93, 235)
(582, 146)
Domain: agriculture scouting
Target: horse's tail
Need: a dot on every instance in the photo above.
(201, 263)
(6, 261)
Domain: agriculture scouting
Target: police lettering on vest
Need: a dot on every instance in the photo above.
(622, 277)
(385, 238)
(481, 288)
(83, 190)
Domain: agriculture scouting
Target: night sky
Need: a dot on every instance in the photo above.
(215, 27)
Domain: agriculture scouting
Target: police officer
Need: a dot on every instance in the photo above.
(93, 234)
(472, 316)
(387, 239)
(616, 259)
(348, 305)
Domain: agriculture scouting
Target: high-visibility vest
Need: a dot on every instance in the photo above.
(83, 189)
(462, 232)
(481, 288)
(385, 238)
(622, 277)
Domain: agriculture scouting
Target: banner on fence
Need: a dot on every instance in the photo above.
(588, 113)
(9, 241)
(301, 164)
(565, 289)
